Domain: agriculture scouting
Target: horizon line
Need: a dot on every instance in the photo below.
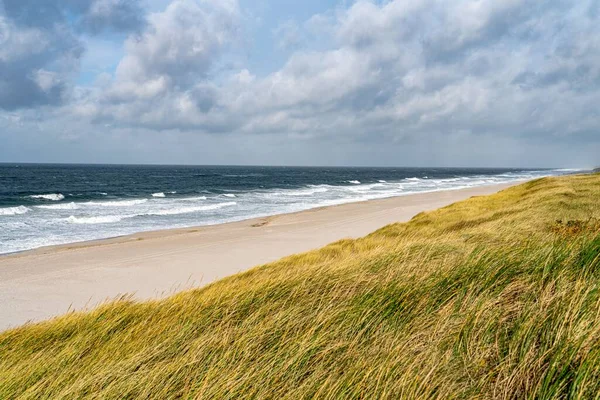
(4, 163)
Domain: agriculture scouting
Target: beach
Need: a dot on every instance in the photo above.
(40, 284)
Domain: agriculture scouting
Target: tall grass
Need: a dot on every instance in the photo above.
(493, 297)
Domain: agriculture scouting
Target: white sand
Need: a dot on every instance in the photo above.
(43, 283)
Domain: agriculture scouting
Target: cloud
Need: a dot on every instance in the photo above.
(424, 74)
(40, 47)
(180, 43)
(396, 70)
(288, 35)
(164, 75)
(88, 15)
(111, 15)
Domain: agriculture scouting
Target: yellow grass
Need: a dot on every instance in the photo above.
(493, 297)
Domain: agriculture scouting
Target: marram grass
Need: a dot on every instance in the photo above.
(493, 297)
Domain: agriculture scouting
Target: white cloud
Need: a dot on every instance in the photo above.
(288, 35)
(180, 43)
(417, 67)
(516, 71)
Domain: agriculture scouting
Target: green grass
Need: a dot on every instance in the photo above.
(493, 297)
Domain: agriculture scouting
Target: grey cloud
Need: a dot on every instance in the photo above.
(33, 63)
(42, 14)
(518, 72)
(40, 47)
(390, 73)
(115, 15)
(205, 97)
(89, 15)
(163, 80)
(18, 91)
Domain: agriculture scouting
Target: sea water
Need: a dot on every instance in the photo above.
(43, 205)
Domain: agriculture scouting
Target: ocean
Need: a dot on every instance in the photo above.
(43, 205)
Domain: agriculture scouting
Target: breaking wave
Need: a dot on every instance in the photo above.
(312, 189)
(117, 203)
(14, 210)
(190, 210)
(194, 198)
(51, 196)
(110, 219)
(107, 219)
(66, 206)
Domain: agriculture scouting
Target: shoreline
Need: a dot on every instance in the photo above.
(175, 231)
(45, 282)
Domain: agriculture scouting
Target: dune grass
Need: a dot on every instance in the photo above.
(493, 297)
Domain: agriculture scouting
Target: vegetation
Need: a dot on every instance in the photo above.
(493, 297)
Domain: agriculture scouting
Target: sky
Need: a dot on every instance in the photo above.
(486, 83)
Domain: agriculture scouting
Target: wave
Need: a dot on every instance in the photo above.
(354, 182)
(230, 195)
(190, 210)
(413, 179)
(448, 180)
(382, 181)
(159, 195)
(106, 219)
(66, 206)
(306, 192)
(110, 219)
(194, 198)
(365, 188)
(241, 176)
(51, 196)
(14, 210)
(117, 203)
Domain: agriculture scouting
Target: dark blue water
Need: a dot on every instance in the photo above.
(53, 204)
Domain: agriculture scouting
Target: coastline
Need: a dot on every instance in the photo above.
(45, 282)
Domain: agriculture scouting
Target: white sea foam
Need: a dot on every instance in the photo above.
(104, 219)
(354, 182)
(306, 192)
(364, 188)
(193, 198)
(51, 196)
(382, 181)
(109, 219)
(14, 210)
(160, 195)
(116, 203)
(230, 195)
(65, 206)
(190, 210)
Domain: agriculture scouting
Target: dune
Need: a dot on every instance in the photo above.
(491, 297)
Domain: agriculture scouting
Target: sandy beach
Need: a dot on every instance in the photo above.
(39, 284)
